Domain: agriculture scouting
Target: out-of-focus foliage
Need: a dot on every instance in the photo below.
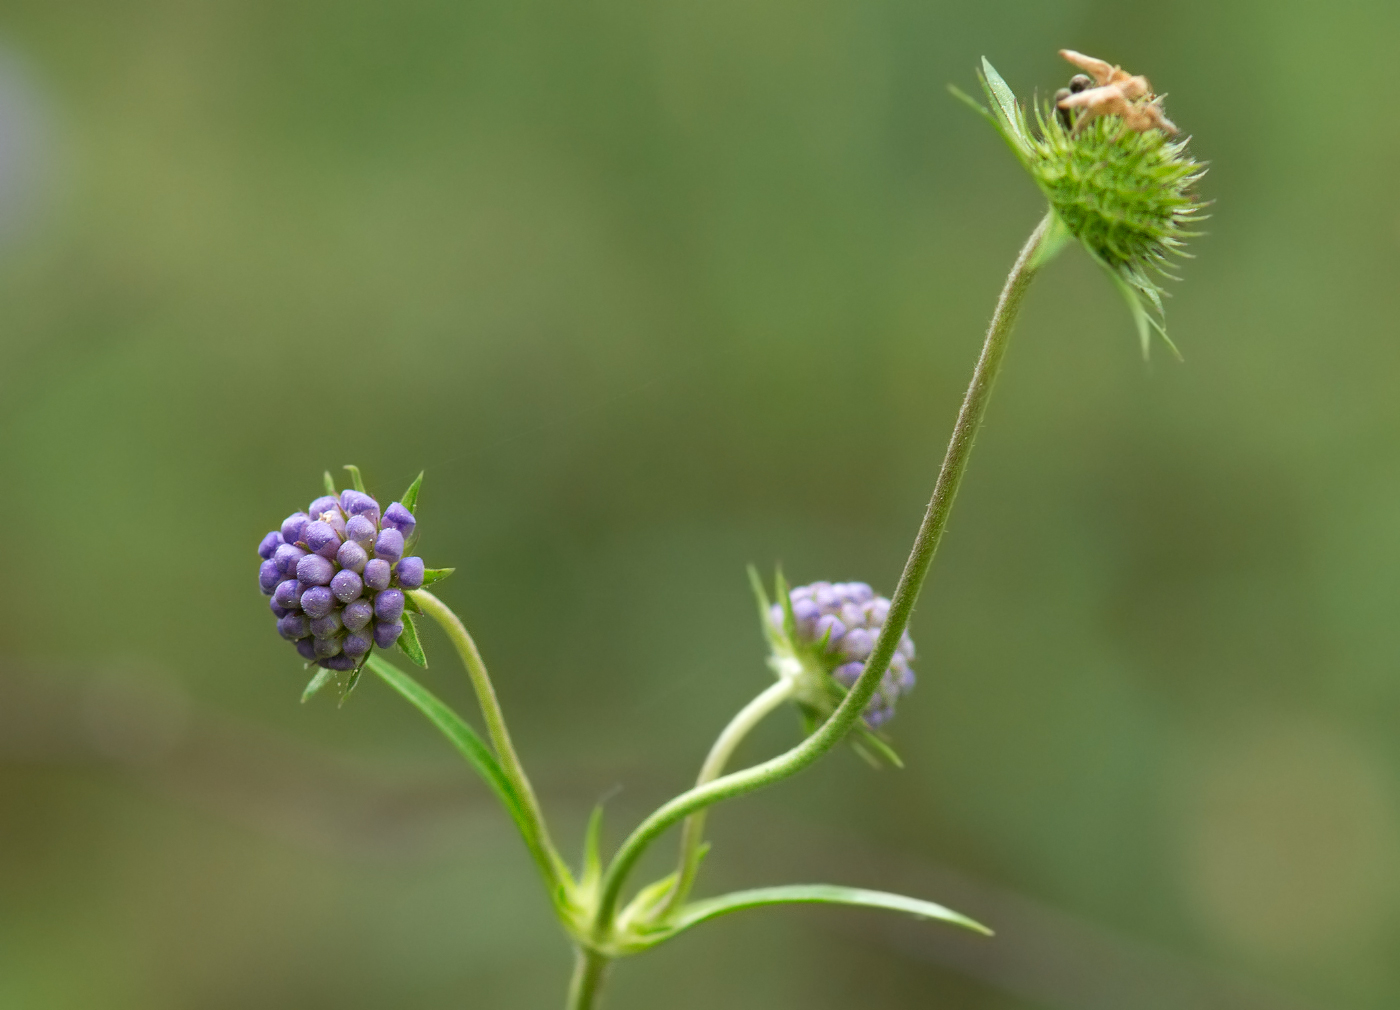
(654, 290)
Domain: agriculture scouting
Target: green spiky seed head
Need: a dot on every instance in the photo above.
(1127, 194)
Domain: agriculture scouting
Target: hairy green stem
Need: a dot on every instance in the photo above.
(827, 735)
(590, 967)
(537, 839)
(725, 744)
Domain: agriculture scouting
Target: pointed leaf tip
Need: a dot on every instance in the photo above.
(410, 497)
(355, 478)
(330, 484)
(408, 642)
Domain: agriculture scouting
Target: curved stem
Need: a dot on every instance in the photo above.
(827, 735)
(725, 744)
(590, 968)
(541, 848)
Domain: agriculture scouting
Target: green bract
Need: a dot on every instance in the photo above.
(1128, 196)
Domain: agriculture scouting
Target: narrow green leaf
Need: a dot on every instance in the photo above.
(880, 747)
(355, 477)
(592, 860)
(770, 634)
(432, 575)
(697, 912)
(411, 605)
(458, 733)
(1004, 103)
(351, 683)
(320, 680)
(780, 586)
(408, 642)
(410, 497)
(639, 909)
(330, 485)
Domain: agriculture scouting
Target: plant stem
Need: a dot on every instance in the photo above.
(694, 831)
(590, 967)
(827, 735)
(541, 848)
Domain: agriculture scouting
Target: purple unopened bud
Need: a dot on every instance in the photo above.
(326, 647)
(294, 627)
(848, 673)
(829, 626)
(314, 570)
(399, 518)
(326, 627)
(322, 505)
(277, 612)
(389, 546)
(269, 545)
(357, 614)
(287, 594)
(287, 557)
(346, 585)
(857, 643)
(906, 647)
(356, 503)
(388, 605)
(352, 556)
(362, 530)
(321, 538)
(306, 649)
(386, 634)
(340, 663)
(317, 602)
(333, 519)
(292, 527)
(356, 645)
(268, 577)
(410, 573)
(377, 574)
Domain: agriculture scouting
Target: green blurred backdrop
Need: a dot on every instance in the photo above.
(653, 290)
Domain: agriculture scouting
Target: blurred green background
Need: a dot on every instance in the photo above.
(653, 290)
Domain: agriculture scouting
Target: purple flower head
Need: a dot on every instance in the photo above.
(852, 616)
(314, 570)
(336, 576)
(377, 574)
(388, 605)
(346, 585)
(386, 634)
(357, 614)
(399, 518)
(361, 530)
(389, 545)
(292, 527)
(269, 545)
(409, 572)
(321, 538)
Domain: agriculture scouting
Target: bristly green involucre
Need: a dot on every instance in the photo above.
(1127, 195)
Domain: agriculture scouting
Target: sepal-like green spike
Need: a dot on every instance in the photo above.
(329, 482)
(410, 497)
(355, 478)
(408, 642)
(321, 678)
(592, 869)
(432, 575)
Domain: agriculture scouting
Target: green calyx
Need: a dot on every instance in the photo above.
(1128, 196)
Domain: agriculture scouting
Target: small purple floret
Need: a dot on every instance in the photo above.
(410, 573)
(287, 594)
(277, 612)
(305, 649)
(362, 530)
(317, 602)
(321, 538)
(346, 585)
(269, 545)
(293, 627)
(292, 527)
(352, 556)
(388, 605)
(377, 574)
(356, 645)
(386, 634)
(268, 577)
(326, 647)
(389, 546)
(357, 614)
(314, 570)
(339, 663)
(396, 516)
(355, 503)
(323, 504)
(326, 627)
(287, 557)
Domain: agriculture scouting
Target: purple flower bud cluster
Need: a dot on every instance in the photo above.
(337, 575)
(839, 622)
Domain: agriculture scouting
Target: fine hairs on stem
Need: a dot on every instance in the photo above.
(342, 581)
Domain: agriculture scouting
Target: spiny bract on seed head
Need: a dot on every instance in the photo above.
(1127, 195)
